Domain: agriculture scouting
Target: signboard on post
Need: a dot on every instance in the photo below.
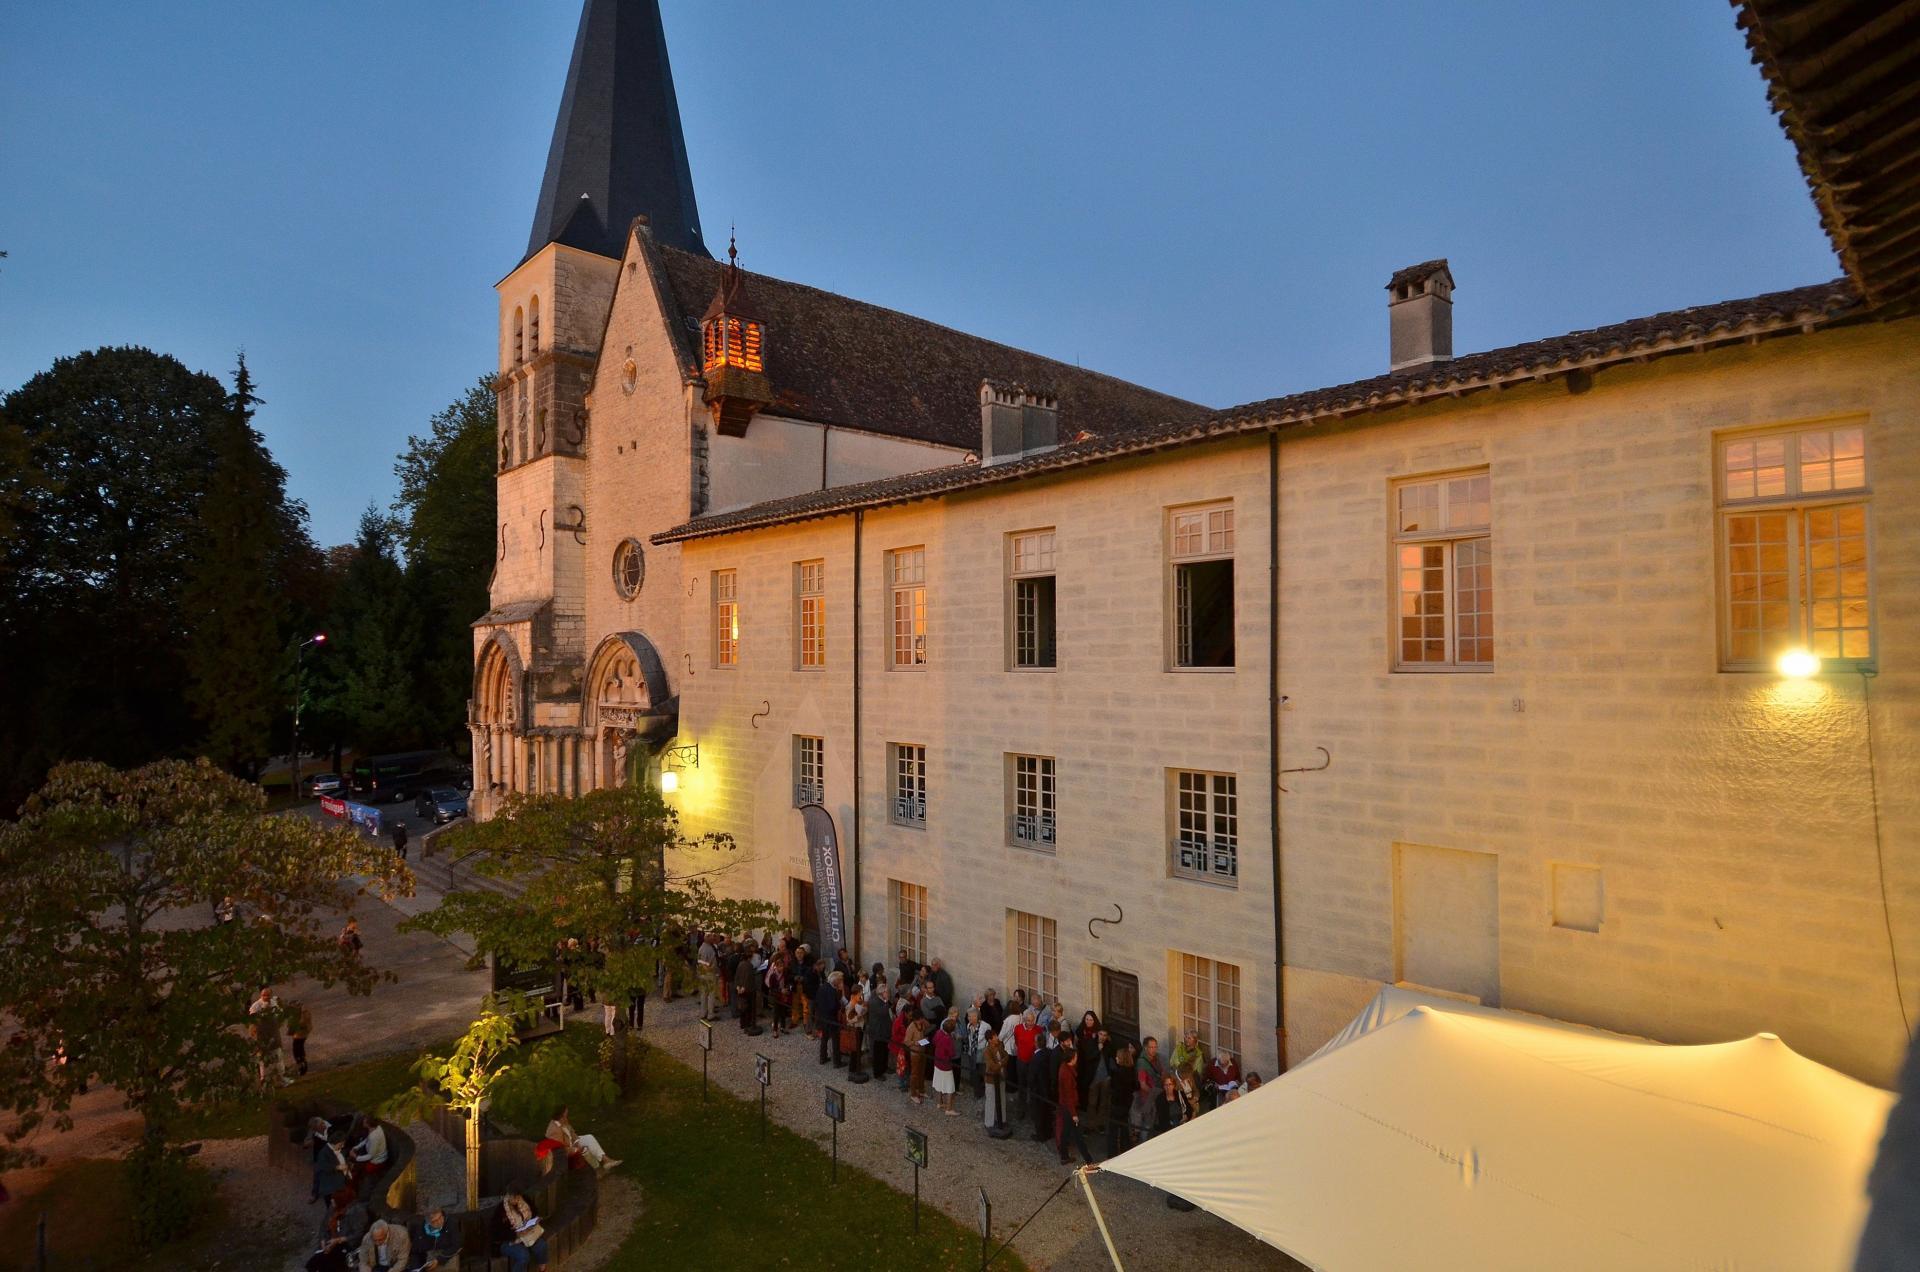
(917, 1148)
(706, 1035)
(986, 1216)
(836, 1104)
(823, 855)
(763, 1070)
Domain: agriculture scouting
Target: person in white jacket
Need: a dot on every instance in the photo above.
(561, 1131)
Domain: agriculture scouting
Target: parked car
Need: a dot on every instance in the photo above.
(326, 784)
(442, 804)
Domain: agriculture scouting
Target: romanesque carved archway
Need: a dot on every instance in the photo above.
(497, 719)
(627, 704)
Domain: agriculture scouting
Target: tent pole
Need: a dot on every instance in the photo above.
(1099, 1219)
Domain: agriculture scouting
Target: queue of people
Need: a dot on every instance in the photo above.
(1025, 1061)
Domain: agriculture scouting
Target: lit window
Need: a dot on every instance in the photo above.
(810, 598)
(1031, 593)
(907, 582)
(908, 903)
(1201, 562)
(1206, 826)
(1794, 563)
(909, 784)
(726, 619)
(1030, 782)
(1036, 955)
(1210, 1003)
(1443, 573)
(809, 770)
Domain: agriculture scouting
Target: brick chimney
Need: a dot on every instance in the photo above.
(1420, 309)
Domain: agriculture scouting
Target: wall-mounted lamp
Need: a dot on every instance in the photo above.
(1798, 664)
(672, 760)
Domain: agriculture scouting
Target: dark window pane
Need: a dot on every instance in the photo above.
(1207, 614)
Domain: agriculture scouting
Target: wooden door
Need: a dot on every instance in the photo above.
(1120, 1003)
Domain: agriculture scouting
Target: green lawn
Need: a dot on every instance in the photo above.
(365, 1086)
(87, 1204)
(712, 1196)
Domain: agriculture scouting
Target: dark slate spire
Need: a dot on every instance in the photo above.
(617, 150)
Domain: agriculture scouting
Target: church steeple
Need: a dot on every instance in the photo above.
(617, 150)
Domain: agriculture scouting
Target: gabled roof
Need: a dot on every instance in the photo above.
(1844, 77)
(834, 360)
(1803, 309)
(617, 152)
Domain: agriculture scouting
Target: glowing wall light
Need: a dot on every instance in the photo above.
(669, 781)
(1797, 664)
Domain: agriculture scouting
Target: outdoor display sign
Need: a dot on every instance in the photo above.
(364, 816)
(763, 1070)
(917, 1147)
(836, 1104)
(706, 1035)
(333, 806)
(823, 854)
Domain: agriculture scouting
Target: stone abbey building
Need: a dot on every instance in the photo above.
(1463, 676)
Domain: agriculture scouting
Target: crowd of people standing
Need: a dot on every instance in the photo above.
(1024, 1061)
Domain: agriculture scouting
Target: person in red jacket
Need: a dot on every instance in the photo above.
(1066, 1121)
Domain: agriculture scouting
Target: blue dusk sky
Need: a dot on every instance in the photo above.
(1205, 198)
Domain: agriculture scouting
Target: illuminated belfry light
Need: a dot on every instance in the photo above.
(732, 338)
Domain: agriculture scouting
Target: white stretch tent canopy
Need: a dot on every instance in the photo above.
(1475, 1138)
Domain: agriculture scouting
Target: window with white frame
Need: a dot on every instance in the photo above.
(1443, 573)
(809, 770)
(1036, 955)
(909, 784)
(1206, 826)
(1030, 791)
(1794, 549)
(810, 615)
(1210, 1003)
(907, 588)
(1200, 561)
(1030, 595)
(726, 618)
(908, 902)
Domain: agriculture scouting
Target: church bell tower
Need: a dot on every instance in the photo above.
(617, 156)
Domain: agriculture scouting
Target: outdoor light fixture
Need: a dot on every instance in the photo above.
(1798, 664)
(672, 760)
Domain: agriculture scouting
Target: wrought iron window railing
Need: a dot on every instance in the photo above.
(1203, 858)
(1031, 830)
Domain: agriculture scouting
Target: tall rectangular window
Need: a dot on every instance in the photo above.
(1036, 955)
(1206, 826)
(1200, 557)
(726, 618)
(1794, 546)
(1210, 1003)
(908, 902)
(907, 590)
(809, 770)
(1443, 573)
(1030, 782)
(1031, 594)
(909, 784)
(810, 617)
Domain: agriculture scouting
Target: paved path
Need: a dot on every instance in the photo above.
(1017, 1173)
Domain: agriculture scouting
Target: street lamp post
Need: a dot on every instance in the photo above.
(299, 655)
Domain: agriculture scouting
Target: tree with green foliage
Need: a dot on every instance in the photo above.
(376, 637)
(479, 1075)
(116, 969)
(608, 869)
(450, 533)
(91, 625)
(237, 630)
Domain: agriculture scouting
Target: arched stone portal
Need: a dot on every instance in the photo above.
(629, 709)
(496, 719)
